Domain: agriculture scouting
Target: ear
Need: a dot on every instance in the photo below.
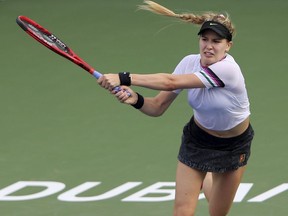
(229, 45)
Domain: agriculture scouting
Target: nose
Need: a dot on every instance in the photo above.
(209, 45)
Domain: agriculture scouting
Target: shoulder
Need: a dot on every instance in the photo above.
(227, 67)
(187, 64)
(228, 71)
(190, 60)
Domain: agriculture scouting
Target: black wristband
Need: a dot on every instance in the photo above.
(139, 103)
(124, 78)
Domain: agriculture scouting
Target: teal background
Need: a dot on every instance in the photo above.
(57, 124)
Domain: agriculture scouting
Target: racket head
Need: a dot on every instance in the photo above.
(52, 42)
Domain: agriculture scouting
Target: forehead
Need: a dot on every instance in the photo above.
(211, 34)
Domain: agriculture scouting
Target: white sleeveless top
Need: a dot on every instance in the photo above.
(224, 103)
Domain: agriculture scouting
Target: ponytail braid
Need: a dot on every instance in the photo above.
(191, 18)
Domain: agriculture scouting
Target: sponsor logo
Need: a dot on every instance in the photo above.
(157, 192)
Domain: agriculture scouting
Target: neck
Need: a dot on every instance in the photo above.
(205, 66)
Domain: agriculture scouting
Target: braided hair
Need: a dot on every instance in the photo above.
(189, 17)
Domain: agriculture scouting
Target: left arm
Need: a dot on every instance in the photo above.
(152, 106)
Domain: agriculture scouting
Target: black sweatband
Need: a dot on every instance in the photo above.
(139, 103)
(124, 78)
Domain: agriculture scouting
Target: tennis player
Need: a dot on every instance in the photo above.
(216, 141)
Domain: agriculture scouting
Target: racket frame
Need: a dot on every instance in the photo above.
(52, 42)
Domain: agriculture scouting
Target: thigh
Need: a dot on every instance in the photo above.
(188, 186)
(223, 191)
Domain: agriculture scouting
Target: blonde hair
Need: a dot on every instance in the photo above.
(190, 17)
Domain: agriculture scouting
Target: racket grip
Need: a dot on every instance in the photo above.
(97, 75)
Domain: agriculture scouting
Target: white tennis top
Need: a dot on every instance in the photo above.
(224, 103)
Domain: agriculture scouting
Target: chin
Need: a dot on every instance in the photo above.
(208, 62)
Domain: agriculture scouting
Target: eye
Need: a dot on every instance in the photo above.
(204, 39)
(217, 41)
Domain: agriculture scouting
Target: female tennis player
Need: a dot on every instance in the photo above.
(216, 141)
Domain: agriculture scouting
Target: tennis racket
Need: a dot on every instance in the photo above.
(52, 42)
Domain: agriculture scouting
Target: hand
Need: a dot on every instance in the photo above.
(126, 95)
(109, 81)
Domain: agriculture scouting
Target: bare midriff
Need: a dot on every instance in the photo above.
(233, 132)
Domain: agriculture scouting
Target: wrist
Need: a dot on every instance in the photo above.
(125, 78)
(140, 101)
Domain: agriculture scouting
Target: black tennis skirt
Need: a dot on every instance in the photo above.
(207, 153)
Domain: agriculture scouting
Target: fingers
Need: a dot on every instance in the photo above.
(126, 95)
(109, 81)
(122, 96)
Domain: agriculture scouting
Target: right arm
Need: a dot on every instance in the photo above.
(158, 81)
(166, 82)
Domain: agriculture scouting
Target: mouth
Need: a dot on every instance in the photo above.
(208, 54)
